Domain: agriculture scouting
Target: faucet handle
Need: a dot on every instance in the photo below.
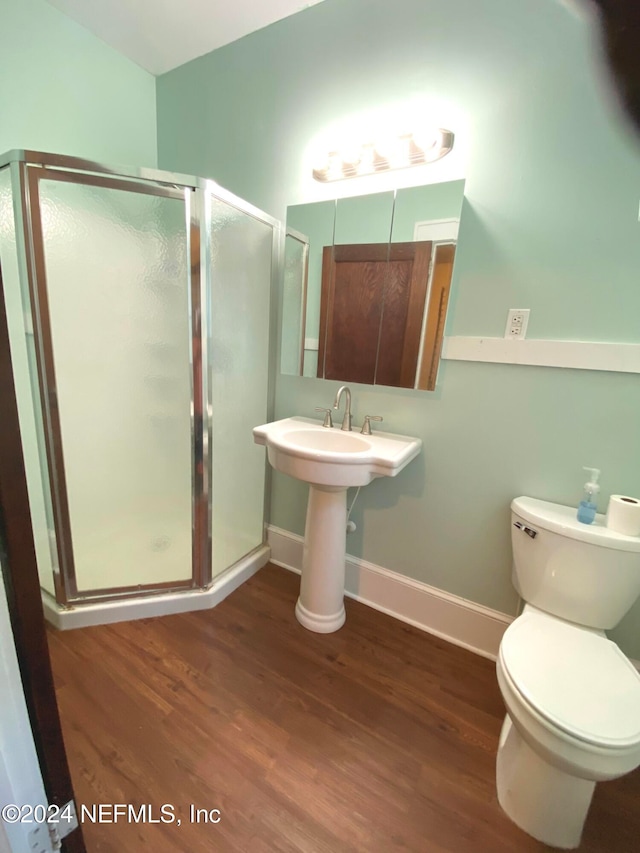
(328, 422)
(366, 426)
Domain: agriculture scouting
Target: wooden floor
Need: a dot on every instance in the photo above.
(377, 738)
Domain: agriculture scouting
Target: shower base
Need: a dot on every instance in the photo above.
(159, 604)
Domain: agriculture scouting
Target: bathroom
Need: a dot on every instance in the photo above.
(549, 168)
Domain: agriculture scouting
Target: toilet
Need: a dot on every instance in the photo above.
(572, 697)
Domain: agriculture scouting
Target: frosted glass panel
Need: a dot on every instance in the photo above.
(241, 255)
(117, 283)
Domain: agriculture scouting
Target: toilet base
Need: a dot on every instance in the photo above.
(545, 802)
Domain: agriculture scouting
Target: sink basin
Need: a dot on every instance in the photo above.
(329, 440)
(304, 449)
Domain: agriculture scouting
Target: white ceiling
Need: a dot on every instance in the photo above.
(161, 34)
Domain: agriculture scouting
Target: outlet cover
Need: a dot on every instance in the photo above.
(517, 322)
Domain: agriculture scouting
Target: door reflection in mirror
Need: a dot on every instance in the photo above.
(367, 282)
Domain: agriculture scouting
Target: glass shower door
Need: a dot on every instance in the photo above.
(118, 329)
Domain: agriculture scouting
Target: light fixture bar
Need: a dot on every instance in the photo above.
(401, 152)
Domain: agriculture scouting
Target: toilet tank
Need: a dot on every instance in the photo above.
(584, 573)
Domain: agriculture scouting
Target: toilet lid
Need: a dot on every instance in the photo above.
(578, 680)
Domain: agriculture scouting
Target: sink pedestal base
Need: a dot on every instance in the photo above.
(320, 607)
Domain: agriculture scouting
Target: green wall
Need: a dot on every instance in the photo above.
(65, 91)
(552, 189)
(419, 204)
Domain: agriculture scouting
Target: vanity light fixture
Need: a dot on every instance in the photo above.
(400, 152)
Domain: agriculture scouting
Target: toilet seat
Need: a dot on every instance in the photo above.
(577, 680)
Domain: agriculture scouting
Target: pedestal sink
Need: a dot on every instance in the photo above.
(330, 460)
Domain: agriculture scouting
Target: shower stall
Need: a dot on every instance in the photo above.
(139, 310)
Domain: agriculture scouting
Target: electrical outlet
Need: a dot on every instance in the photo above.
(517, 322)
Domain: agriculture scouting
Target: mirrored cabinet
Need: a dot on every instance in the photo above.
(366, 285)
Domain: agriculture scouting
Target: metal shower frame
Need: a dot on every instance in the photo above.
(28, 168)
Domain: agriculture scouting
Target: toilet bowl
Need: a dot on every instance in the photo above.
(573, 719)
(572, 697)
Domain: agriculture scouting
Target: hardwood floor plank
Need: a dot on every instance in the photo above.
(376, 738)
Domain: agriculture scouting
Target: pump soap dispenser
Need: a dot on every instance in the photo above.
(588, 505)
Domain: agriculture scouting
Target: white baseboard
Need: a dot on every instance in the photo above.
(102, 613)
(450, 617)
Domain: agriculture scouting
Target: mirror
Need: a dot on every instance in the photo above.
(366, 285)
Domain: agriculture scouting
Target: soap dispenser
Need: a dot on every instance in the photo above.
(588, 505)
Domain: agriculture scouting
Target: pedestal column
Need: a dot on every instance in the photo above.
(320, 607)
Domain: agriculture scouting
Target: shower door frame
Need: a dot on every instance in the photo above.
(33, 167)
(65, 578)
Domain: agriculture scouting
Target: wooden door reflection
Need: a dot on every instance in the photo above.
(371, 312)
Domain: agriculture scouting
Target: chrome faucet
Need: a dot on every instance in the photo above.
(346, 421)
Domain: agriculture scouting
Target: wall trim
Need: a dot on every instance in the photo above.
(433, 610)
(104, 613)
(578, 355)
